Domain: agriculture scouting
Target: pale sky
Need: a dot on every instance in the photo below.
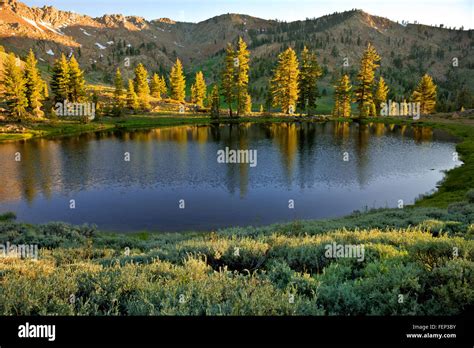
(451, 13)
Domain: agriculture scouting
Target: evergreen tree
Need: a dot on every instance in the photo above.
(60, 80)
(199, 90)
(215, 102)
(34, 85)
(342, 97)
(14, 87)
(142, 89)
(365, 77)
(118, 93)
(310, 72)
(242, 76)
(76, 81)
(381, 95)
(155, 86)
(228, 77)
(284, 84)
(132, 98)
(425, 94)
(118, 83)
(177, 82)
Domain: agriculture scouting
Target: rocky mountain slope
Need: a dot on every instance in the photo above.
(102, 44)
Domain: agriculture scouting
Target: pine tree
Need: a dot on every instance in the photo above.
(163, 88)
(132, 98)
(199, 90)
(228, 77)
(60, 80)
(381, 95)
(118, 83)
(425, 94)
(155, 86)
(310, 72)
(76, 81)
(177, 82)
(118, 93)
(142, 89)
(342, 97)
(364, 91)
(215, 102)
(284, 85)
(14, 87)
(34, 85)
(242, 76)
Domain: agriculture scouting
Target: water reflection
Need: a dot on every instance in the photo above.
(295, 160)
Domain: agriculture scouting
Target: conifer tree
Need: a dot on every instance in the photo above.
(156, 88)
(76, 81)
(118, 83)
(310, 72)
(284, 85)
(425, 94)
(228, 77)
(14, 87)
(34, 85)
(60, 80)
(177, 82)
(364, 91)
(118, 93)
(242, 76)
(342, 97)
(142, 89)
(381, 95)
(199, 90)
(215, 102)
(132, 98)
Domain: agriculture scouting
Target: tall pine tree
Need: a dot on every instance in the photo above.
(14, 87)
(177, 82)
(242, 76)
(158, 86)
(118, 93)
(310, 72)
(60, 80)
(132, 98)
(77, 90)
(34, 85)
(284, 85)
(342, 97)
(199, 90)
(142, 89)
(381, 95)
(364, 92)
(228, 77)
(425, 94)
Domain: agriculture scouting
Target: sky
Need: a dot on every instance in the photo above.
(451, 13)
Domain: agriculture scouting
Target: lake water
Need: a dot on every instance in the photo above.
(327, 169)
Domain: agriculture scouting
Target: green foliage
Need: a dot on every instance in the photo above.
(284, 84)
(364, 91)
(14, 87)
(77, 82)
(60, 80)
(35, 85)
(142, 89)
(177, 82)
(273, 270)
(310, 72)
(425, 94)
(342, 98)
